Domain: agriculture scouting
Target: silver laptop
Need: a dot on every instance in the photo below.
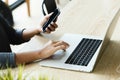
(84, 50)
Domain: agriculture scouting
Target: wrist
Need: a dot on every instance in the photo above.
(37, 31)
(42, 54)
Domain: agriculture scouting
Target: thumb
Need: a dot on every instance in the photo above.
(45, 19)
(48, 16)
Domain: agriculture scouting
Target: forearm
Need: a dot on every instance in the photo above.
(27, 57)
(28, 34)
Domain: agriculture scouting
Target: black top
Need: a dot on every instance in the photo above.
(8, 36)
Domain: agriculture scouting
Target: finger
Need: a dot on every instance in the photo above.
(58, 43)
(61, 47)
(54, 42)
(45, 19)
(51, 28)
(61, 43)
(54, 25)
(47, 30)
(48, 16)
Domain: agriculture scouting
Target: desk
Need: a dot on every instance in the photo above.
(84, 17)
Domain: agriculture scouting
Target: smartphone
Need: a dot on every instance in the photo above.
(54, 15)
(50, 5)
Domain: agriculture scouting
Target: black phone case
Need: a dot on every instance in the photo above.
(50, 5)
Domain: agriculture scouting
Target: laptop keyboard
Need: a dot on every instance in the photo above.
(84, 52)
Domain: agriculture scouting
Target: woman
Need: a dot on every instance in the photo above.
(8, 36)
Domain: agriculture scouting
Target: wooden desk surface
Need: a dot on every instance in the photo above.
(84, 17)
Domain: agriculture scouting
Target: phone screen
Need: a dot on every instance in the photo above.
(50, 5)
(51, 19)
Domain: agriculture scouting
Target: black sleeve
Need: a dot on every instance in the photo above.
(7, 59)
(15, 36)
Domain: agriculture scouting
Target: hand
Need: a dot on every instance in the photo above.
(51, 47)
(51, 27)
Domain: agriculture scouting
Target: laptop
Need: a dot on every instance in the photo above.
(84, 50)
